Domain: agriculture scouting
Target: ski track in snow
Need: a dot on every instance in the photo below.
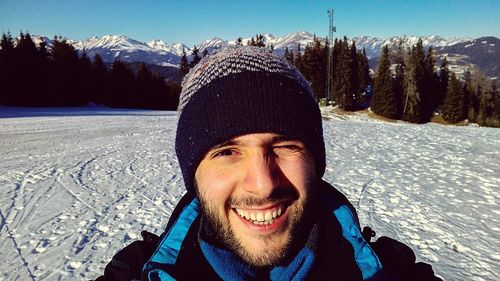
(77, 185)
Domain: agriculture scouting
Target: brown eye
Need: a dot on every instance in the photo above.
(224, 153)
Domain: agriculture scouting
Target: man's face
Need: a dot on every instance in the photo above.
(256, 193)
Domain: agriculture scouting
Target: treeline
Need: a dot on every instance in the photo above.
(33, 75)
(407, 86)
(350, 74)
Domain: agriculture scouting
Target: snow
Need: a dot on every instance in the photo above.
(174, 48)
(79, 184)
(111, 47)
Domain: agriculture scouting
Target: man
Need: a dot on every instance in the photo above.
(250, 146)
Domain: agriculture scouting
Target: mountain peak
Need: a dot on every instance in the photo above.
(463, 50)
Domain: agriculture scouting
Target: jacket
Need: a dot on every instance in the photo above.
(343, 253)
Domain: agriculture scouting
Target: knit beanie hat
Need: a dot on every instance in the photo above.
(244, 90)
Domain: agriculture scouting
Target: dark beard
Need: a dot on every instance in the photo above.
(222, 235)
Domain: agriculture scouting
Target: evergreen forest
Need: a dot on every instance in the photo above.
(59, 76)
(406, 84)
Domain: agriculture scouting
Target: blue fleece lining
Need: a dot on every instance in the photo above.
(226, 264)
(297, 269)
(160, 275)
(169, 248)
(367, 260)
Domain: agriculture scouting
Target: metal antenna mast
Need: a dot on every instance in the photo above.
(331, 30)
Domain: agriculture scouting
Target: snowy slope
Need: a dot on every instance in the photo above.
(77, 185)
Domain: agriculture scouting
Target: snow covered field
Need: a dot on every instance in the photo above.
(77, 185)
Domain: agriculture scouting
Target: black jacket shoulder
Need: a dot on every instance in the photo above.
(127, 263)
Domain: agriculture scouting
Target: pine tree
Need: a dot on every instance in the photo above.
(7, 65)
(85, 88)
(27, 70)
(385, 102)
(287, 55)
(340, 69)
(429, 87)
(307, 61)
(354, 77)
(483, 91)
(335, 66)
(443, 78)
(196, 58)
(66, 70)
(364, 71)
(184, 66)
(344, 71)
(145, 87)
(101, 92)
(399, 78)
(494, 119)
(483, 105)
(161, 95)
(43, 76)
(239, 42)
(251, 42)
(43, 51)
(123, 86)
(6, 43)
(315, 60)
(472, 99)
(260, 40)
(299, 64)
(205, 53)
(454, 106)
(411, 110)
(414, 77)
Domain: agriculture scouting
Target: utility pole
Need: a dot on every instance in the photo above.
(331, 30)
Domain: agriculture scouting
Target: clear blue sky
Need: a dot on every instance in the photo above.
(191, 22)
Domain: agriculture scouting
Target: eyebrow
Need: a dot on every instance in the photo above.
(233, 141)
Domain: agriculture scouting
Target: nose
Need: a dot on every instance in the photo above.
(262, 176)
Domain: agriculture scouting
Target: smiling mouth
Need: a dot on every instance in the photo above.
(261, 217)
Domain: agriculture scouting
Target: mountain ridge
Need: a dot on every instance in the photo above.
(462, 52)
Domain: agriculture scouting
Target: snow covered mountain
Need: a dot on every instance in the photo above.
(112, 47)
(176, 48)
(483, 52)
(289, 40)
(373, 45)
(211, 45)
(462, 53)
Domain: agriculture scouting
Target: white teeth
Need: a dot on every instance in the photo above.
(268, 216)
(260, 218)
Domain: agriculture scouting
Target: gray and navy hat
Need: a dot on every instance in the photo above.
(244, 90)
